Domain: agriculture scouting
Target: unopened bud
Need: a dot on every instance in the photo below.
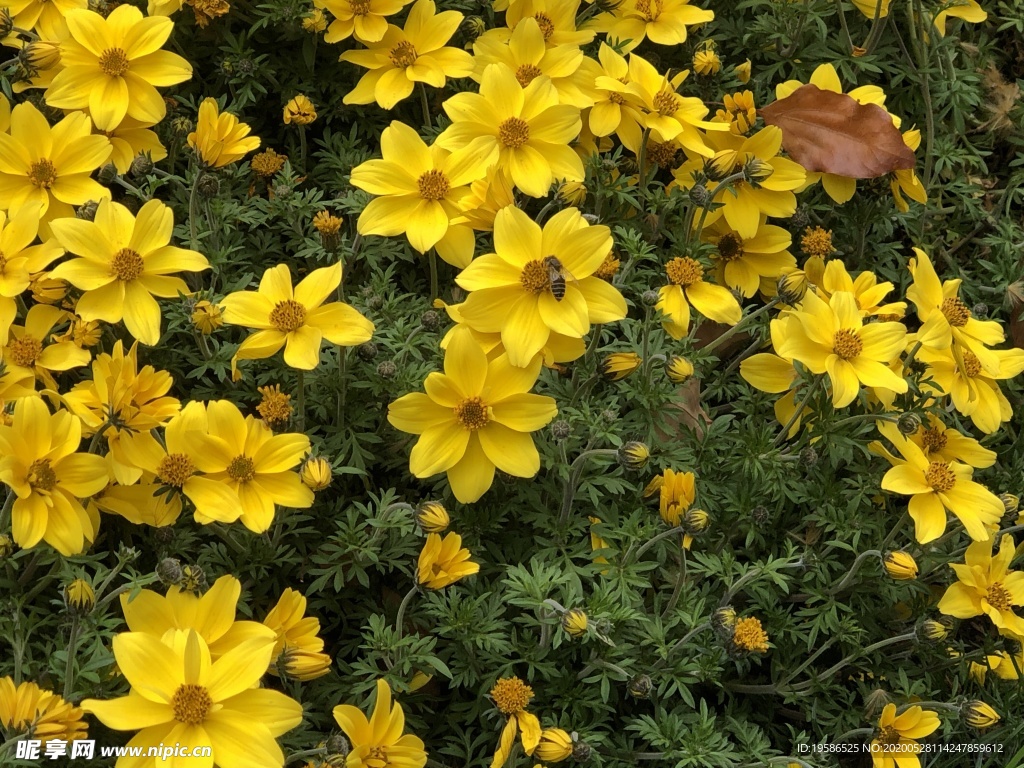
(316, 473)
(193, 578)
(141, 165)
(700, 195)
(756, 170)
(619, 365)
(908, 423)
(6, 545)
(561, 430)
(107, 174)
(723, 620)
(678, 369)
(209, 185)
(168, 571)
(1011, 503)
(581, 752)
(933, 631)
(432, 517)
(79, 597)
(87, 210)
(640, 687)
(574, 622)
(650, 298)
(791, 286)
(367, 351)
(430, 320)
(978, 714)
(900, 566)
(387, 369)
(633, 455)
(695, 522)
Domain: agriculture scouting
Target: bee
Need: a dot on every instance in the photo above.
(557, 275)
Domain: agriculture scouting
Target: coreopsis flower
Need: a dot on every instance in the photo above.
(738, 111)
(975, 393)
(293, 629)
(177, 693)
(132, 139)
(316, 473)
(220, 138)
(938, 443)
(866, 289)
(474, 417)
(618, 365)
(555, 746)
(557, 20)
(444, 561)
(26, 707)
(743, 72)
(750, 264)
(243, 453)
(299, 110)
(419, 190)
(968, 10)
(676, 493)
(112, 66)
(404, 57)
(539, 282)
(687, 286)
(125, 262)
(706, 61)
(661, 21)
(1001, 663)
(294, 318)
(905, 182)
(39, 462)
(895, 742)
(511, 696)
(21, 259)
(382, 734)
(32, 346)
(986, 585)
(616, 110)
(527, 127)
(207, 317)
(900, 566)
(832, 338)
(363, 19)
(267, 163)
(432, 517)
(936, 486)
(50, 166)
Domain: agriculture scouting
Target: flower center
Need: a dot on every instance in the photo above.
(514, 132)
(378, 754)
(433, 185)
(972, 365)
(511, 695)
(684, 271)
(888, 735)
(643, 7)
(998, 597)
(288, 316)
(616, 98)
(666, 102)
(403, 55)
(934, 440)
(817, 242)
(360, 7)
(535, 276)
(241, 469)
(472, 413)
(546, 24)
(730, 247)
(114, 62)
(25, 350)
(42, 173)
(847, 344)
(940, 476)
(527, 73)
(955, 311)
(191, 704)
(665, 154)
(41, 475)
(127, 265)
(175, 469)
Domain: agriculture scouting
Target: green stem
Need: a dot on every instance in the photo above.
(301, 401)
(5, 512)
(857, 563)
(193, 211)
(432, 259)
(302, 146)
(846, 29)
(642, 159)
(400, 617)
(652, 541)
(72, 650)
(425, 105)
(796, 414)
(863, 651)
(743, 321)
(878, 25)
(342, 386)
(711, 199)
(679, 644)
(575, 474)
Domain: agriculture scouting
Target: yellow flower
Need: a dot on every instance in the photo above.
(616, 109)
(556, 18)
(363, 19)
(244, 454)
(511, 696)
(50, 166)
(522, 293)
(432, 517)
(678, 369)
(738, 111)
(112, 66)
(986, 586)
(750, 264)
(938, 443)
(475, 416)
(207, 317)
(867, 7)
(316, 473)
(444, 561)
(404, 57)
(895, 743)
(20, 259)
(80, 596)
(676, 493)
(748, 636)
(179, 695)
(868, 292)
(303, 665)
(618, 365)
(832, 338)
(959, 374)
(275, 407)
(706, 61)
(219, 137)
(743, 72)
(299, 110)
(555, 746)
(294, 318)
(906, 182)
(633, 455)
(292, 628)
(132, 138)
(936, 486)
(687, 286)
(27, 708)
(419, 191)
(48, 477)
(315, 22)
(527, 128)
(27, 348)
(968, 10)
(900, 566)
(380, 742)
(661, 21)
(574, 622)
(126, 261)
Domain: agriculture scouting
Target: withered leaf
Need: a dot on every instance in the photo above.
(834, 133)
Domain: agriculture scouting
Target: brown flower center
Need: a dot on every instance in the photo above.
(175, 469)
(191, 703)
(360, 7)
(527, 73)
(888, 735)
(934, 440)
(666, 102)
(241, 469)
(972, 365)
(955, 311)
(609, 267)
(665, 154)
(730, 247)
(847, 344)
(41, 475)
(127, 265)
(403, 55)
(535, 276)
(514, 132)
(25, 351)
(998, 597)
(472, 413)
(682, 270)
(288, 316)
(940, 476)
(433, 185)
(42, 173)
(616, 98)
(546, 24)
(114, 62)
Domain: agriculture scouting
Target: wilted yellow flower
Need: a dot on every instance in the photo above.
(444, 561)
(706, 61)
(267, 163)
(207, 317)
(743, 71)
(28, 706)
(316, 473)
(574, 622)
(432, 517)
(900, 566)
(618, 365)
(315, 22)
(219, 137)
(275, 407)
(554, 747)
(980, 715)
(299, 110)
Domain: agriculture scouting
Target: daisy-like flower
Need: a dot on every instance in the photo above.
(178, 694)
(294, 318)
(298, 651)
(41, 466)
(513, 291)
(112, 66)
(869, 293)
(986, 585)
(935, 486)
(676, 493)
(125, 261)
(45, 17)
(511, 696)
(30, 346)
(50, 166)
(27, 707)
(754, 264)
(616, 110)
(19, 258)
(419, 191)
(687, 286)
(938, 443)
(895, 742)
(132, 138)
(243, 453)
(474, 417)
(832, 338)
(382, 734)
(444, 561)
(661, 21)
(299, 111)
(404, 57)
(363, 19)
(528, 127)
(556, 19)
(219, 138)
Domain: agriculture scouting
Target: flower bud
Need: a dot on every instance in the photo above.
(554, 747)
(933, 631)
(743, 71)
(980, 311)
(338, 746)
(808, 456)
(706, 62)
(581, 752)
(107, 174)
(619, 365)
(791, 286)
(6, 545)
(572, 192)
(695, 522)
(900, 566)
(1011, 503)
(678, 369)
(329, 227)
(316, 473)
(609, 416)
(761, 516)
(299, 111)
(39, 56)
(303, 665)
(6, 23)
(560, 430)
(141, 165)
(193, 579)
(640, 687)
(472, 27)
(79, 597)
(699, 195)
(315, 22)
(87, 210)
(207, 317)
(908, 423)
(168, 571)
(574, 622)
(633, 455)
(650, 298)
(430, 320)
(980, 715)
(723, 620)
(367, 351)
(756, 170)
(432, 517)
(208, 186)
